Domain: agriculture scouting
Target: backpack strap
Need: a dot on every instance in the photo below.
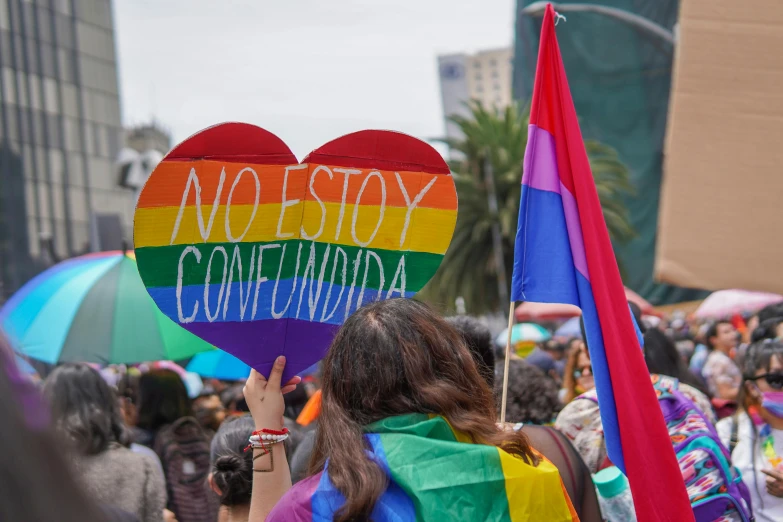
(734, 438)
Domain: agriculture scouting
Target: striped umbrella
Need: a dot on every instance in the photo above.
(218, 364)
(93, 308)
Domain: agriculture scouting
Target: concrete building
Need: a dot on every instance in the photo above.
(484, 76)
(60, 133)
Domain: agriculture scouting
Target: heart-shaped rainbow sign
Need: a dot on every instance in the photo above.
(261, 255)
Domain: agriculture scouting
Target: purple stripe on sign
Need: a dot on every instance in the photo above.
(254, 342)
(574, 225)
(540, 165)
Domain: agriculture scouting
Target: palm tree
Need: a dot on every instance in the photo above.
(499, 138)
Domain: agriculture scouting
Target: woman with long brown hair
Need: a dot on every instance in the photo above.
(406, 432)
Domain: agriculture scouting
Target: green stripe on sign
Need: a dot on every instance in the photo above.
(158, 266)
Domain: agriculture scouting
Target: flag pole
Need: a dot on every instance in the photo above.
(505, 366)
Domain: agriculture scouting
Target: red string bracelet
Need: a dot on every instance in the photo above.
(284, 431)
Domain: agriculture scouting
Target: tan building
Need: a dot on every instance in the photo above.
(484, 76)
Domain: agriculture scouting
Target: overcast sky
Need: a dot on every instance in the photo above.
(307, 70)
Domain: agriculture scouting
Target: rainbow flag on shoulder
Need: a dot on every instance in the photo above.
(437, 476)
(563, 254)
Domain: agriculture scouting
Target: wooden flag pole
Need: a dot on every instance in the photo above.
(505, 366)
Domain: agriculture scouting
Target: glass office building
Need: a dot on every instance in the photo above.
(60, 133)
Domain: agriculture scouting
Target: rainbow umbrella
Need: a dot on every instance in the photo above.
(218, 364)
(93, 308)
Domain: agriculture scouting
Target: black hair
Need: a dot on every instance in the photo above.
(478, 339)
(232, 466)
(36, 480)
(712, 331)
(663, 358)
(84, 408)
(758, 356)
(767, 329)
(532, 395)
(163, 399)
(636, 311)
(770, 311)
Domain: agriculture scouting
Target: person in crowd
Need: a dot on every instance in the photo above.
(532, 395)
(578, 374)
(478, 339)
(580, 419)
(163, 399)
(86, 414)
(663, 358)
(550, 358)
(231, 477)
(754, 434)
(722, 374)
(36, 482)
(700, 350)
(400, 392)
(209, 412)
(166, 424)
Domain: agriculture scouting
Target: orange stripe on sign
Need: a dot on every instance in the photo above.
(166, 186)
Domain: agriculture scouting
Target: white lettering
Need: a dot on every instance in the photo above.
(222, 250)
(411, 204)
(236, 260)
(230, 237)
(285, 203)
(356, 264)
(347, 173)
(320, 203)
(180, 315)
(260, 279)
(309, 269)
(366, 271)
(399, 275)
(278, 315)
(313, 300)
(338, 251)
(193, 180)
(377, 174)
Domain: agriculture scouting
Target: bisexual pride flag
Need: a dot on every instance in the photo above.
(563, 255)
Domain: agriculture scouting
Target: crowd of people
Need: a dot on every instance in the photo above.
(385, 429)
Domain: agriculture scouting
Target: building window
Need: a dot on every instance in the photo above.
(478, 77)
(493, 62)
(494, 74)
(6, 58)
(9, 80)
(65, 59)
(51, 100)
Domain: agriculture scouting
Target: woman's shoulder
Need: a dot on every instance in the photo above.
(295, 506)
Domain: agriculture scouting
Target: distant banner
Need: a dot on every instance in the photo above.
(261, 255)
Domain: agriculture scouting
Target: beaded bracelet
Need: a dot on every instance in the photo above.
(266, 437)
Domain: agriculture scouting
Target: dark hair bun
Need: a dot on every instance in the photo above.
(233, 476)
(229, 463)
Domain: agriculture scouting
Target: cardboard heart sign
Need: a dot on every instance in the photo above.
(260, 255)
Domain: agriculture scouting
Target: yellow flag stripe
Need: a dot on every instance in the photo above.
(428, 230)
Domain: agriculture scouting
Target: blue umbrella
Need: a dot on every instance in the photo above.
(24, 366)
(570, 328)
(217, 364)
